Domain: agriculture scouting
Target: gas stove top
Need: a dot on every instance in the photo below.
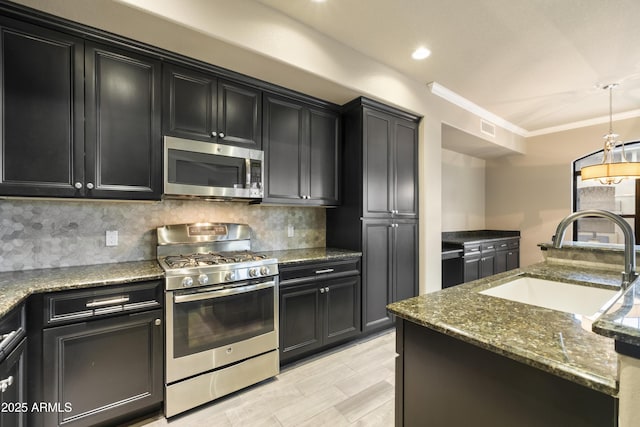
(210, 258)
(210, 254)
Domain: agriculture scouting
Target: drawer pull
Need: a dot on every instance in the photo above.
(6, 338)
(109, 301)
(6, 383)
(327, 270)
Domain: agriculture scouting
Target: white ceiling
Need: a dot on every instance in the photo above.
(535, 63)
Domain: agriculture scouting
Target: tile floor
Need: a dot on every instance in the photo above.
(349, 386)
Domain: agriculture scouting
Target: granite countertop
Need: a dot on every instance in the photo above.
(293, 256)
(16, 286)
(473, 236)
(622, 320)
(560, 343)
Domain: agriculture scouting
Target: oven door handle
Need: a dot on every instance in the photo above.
(199, 296)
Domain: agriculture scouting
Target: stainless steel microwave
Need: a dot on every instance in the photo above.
(202, 169)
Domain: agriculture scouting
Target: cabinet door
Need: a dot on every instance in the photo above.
(471, 268)
(405, 188)
(513, 259)
(190, 103)
(283, 139)
(405, 257)
(324, 149)
(501, 261)
(239, 116)
(123, 142)
(487, 267)
(103, 369)
(378, 157)
(300, 320)
(13, 398)
(42, 95)
(376, 274)
(341, 308)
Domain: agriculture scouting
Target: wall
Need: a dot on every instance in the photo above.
(463, 192)
(532, 193)
(45, 233)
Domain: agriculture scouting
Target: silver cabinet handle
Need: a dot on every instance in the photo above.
(214, 134)
(78, 185)
(322, 290)
(221, 134)
(6, 383)
(221, 292)
(326, 289)
(89, 186)
(108, 301)
(326, 270)
(158, 322)
(6, 338)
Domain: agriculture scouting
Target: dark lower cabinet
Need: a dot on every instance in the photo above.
(390, 268)
(101, 370)
(444, 381)
(320, 310)
(482, 259)
(13, 397)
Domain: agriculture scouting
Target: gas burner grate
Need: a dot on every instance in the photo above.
(210, 258)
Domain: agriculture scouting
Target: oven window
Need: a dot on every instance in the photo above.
(216, 322)
(208, 170)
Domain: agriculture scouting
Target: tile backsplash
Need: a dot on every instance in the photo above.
(58, 233)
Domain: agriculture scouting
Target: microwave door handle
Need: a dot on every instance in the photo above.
(199, 296)
(247, 167)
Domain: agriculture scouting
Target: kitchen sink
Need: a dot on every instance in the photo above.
(570, 298)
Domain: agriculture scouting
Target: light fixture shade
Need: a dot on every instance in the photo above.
(607, 171)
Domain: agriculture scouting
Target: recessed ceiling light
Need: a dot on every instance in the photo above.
(318, 1)
(421, 53)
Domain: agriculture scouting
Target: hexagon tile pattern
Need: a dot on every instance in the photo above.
(45, 233)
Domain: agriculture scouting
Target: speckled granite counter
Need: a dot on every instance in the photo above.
(461, 237)
(17, 286)
(622, 320)
(293, 256)
(523, 332)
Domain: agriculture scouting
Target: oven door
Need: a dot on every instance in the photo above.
(196, 168)
(210, 327)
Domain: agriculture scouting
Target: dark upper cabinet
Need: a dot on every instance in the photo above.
(202, 106)
(78, 120)
(301, 145)
(123, 141)
(42, 91)
(390, 156)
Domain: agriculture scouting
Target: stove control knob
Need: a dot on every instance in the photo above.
(203, 279)
(253, 272)
(186, 282)
(231, 275)
(264, 270)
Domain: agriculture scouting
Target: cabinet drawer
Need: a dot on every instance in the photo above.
(301, 273)
(513, 244)
(471, 250)
(488, 247)
(79, 304)
(12, 330)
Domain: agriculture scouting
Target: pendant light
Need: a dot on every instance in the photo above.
(609, 171)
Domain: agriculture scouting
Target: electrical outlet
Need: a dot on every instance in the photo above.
(112, 238)
(290, 231)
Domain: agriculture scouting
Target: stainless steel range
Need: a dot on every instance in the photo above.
(221, 312)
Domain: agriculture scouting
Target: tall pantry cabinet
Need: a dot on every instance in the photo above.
(379, 211)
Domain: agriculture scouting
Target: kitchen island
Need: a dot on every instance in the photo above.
(471, 359)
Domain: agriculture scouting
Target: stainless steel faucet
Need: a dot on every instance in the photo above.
(629, 274)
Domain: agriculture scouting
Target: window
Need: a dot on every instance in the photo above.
(622, 199)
